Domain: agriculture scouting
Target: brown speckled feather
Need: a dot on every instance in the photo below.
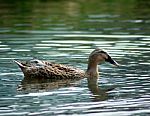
(41, 69)
(48, 70)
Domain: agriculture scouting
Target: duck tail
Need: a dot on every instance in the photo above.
(19, 64)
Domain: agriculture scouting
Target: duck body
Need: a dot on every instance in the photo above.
(47, 70)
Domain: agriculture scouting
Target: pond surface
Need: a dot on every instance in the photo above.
(66, 31)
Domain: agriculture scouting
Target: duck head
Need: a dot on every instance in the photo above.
(96, 57)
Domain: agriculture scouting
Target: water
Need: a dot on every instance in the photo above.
(66, 32)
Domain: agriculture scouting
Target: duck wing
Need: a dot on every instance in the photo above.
(48, 70)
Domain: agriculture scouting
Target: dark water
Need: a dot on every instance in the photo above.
(66, 31)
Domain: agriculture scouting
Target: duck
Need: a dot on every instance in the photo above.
(39, 69)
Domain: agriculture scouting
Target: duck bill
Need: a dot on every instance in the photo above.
(111, 61)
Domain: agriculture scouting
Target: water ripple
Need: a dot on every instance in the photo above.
(104, 36)
(40, 29)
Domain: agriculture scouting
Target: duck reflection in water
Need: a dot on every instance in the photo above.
(48, 75)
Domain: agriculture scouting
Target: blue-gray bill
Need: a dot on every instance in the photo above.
(111, 61)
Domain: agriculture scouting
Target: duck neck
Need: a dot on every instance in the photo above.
(92, 69)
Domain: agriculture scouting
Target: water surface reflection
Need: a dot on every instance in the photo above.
(66, 32)
(35, 85)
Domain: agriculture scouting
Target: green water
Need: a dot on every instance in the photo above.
(66, 31)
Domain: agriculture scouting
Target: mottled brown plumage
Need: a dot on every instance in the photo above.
(48, 70)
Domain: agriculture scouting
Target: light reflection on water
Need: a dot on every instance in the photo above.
(67, 37)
